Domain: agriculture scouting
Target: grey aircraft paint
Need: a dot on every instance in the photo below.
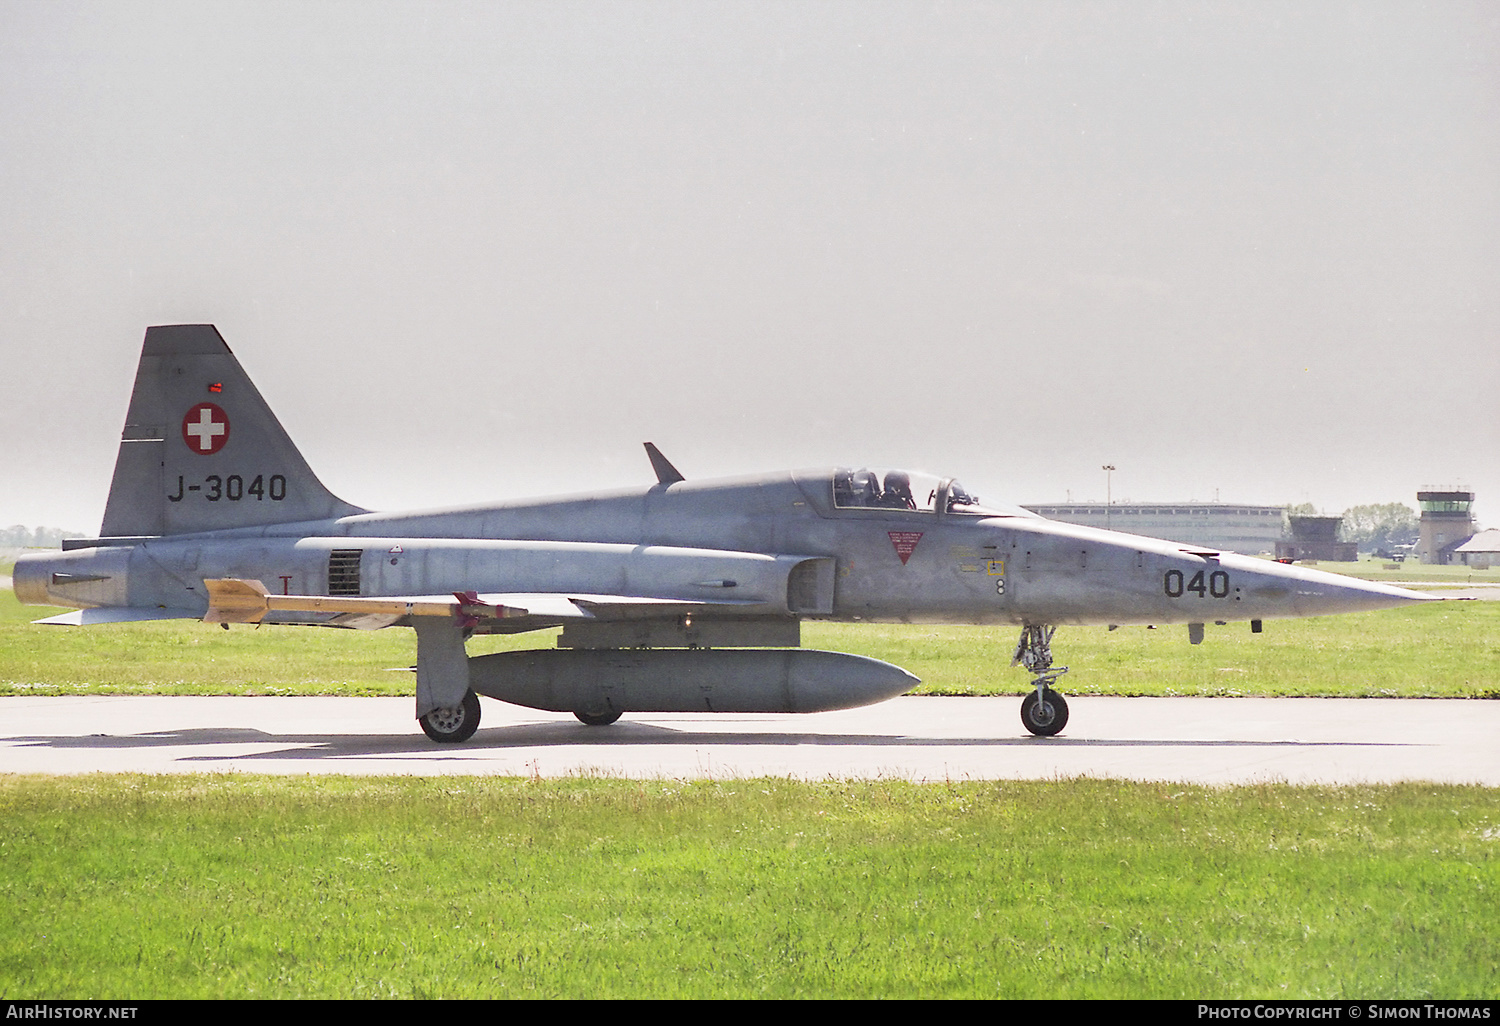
(682, 596)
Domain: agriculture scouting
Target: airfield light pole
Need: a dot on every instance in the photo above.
(1108, 469)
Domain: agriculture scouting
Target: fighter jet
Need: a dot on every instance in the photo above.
(684, 596)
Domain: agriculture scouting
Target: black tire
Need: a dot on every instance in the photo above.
(1044, 720)
(452, 725)
(597, 719)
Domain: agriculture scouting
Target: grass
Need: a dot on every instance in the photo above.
(1431, 650)
(1370, 569)
(226, 886)
(134, 887)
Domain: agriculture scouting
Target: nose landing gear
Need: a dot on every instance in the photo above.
(1043, 712)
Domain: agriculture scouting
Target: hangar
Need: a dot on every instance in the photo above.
(1221, 525)
(1481, 551)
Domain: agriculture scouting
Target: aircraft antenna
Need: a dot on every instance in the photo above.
(665, 473)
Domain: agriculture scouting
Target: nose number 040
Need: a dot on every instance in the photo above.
(1216, 584)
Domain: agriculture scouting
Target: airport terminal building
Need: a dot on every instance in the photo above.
(1249, 529)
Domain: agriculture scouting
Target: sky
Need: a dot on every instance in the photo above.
(476, 252)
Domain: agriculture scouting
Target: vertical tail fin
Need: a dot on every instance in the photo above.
(202, 451)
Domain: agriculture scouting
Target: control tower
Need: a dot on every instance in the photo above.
(1447, 522)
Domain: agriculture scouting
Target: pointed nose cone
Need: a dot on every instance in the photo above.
(1349, 595)
(1306, 592)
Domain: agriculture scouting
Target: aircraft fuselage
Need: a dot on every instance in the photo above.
(739, 540)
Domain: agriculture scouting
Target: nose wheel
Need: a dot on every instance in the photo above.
(1043, 712)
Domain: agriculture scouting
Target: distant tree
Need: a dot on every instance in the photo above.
(40, 537)
(1381, 527)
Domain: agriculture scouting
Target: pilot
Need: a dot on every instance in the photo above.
(958, 497)
(866, 489)
(898, 491)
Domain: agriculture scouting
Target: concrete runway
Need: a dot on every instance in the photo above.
(1200, 740)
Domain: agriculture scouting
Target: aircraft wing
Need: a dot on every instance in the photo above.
(524, 611)
(569, 604)
(240, 601)
(117, 614)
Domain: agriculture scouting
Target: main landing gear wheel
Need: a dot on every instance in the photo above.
(454, 724)
(597, 719)
(1043, 712)
(1044, 716)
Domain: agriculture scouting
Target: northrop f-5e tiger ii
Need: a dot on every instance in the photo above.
(684, 596)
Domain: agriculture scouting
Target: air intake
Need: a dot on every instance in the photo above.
(343, 571)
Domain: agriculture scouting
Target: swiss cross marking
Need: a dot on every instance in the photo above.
(205, 429)
(905, 543)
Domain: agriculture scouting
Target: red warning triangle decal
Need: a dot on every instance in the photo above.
(905, 543)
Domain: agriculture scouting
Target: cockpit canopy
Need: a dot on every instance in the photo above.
(868, 488)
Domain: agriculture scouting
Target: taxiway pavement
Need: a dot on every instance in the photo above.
(1198, 740)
